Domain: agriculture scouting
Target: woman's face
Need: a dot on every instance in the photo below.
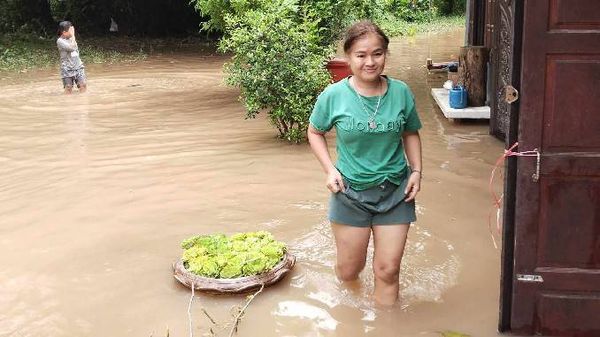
(367, 57)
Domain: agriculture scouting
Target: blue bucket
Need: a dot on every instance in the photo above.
(458, 97)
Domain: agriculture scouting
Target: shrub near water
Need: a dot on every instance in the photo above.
(242, 254)
(277, 63)
(279, 48)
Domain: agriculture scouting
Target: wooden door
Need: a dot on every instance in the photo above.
(556, 289)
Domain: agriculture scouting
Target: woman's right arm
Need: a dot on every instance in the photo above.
(318, 144)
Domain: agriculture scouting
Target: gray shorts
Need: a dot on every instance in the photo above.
(379, 205)
(79, 78)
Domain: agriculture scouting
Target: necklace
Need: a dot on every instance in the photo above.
(371, 120)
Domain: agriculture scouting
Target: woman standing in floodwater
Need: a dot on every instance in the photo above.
(372, 186)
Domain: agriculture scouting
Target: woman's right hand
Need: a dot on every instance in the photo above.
(335, 183)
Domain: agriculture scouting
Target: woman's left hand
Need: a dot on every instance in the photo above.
(413, 186)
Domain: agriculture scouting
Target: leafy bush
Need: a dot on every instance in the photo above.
(278, 65)
(279, 48)
(217, 10)
(330, 16)
(412, 10)
(450, 7)
(401, 10)
(21, 51)
(25, 16)
(242, 254)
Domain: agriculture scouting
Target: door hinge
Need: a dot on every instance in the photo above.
(529, 278)
(511, 94)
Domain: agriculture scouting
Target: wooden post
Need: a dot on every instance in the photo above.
(472, 66)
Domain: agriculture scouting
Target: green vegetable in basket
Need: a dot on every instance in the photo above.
(233, 268)
(241, 246)
(273, 250)
(242, 254)
(255, 264)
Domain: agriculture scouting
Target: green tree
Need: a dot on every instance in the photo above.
(25, 16)
(277, 63)
(331, 16)
(218, 10)
(279, 48)
(412, 10)
(450, 7)
(134, 17)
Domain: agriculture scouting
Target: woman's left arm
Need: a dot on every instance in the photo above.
(412, 147)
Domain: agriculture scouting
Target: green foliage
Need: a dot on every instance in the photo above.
(88, 16)
(217, 10)
(92, 17)
(394, 27)
(366, 9)
(402, 10)
(329, 16)
(277, 63)
(450, 7)
(279, 48)
(20, 52)
(408, 17)
(242, 254)
(412, 10)
(25, 16)
(134, 17)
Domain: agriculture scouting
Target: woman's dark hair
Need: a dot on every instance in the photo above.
(360, 29)
(64, 26)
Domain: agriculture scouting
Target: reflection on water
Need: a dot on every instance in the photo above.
(429, 268)
(318, 317)
(98, 190)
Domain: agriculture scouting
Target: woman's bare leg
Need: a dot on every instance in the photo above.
(351, 245)
(389, 243)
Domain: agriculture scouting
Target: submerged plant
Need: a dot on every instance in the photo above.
(450, 333)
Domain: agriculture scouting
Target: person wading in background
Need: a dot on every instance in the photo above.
(71, 68)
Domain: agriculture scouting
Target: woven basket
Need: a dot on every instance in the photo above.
(233, 285)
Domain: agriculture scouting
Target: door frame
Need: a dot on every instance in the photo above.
(510, 180)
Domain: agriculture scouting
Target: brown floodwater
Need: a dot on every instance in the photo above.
(98, 190)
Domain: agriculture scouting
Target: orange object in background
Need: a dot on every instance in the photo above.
(339, 69)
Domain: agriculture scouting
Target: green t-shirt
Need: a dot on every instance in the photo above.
(367, 157)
